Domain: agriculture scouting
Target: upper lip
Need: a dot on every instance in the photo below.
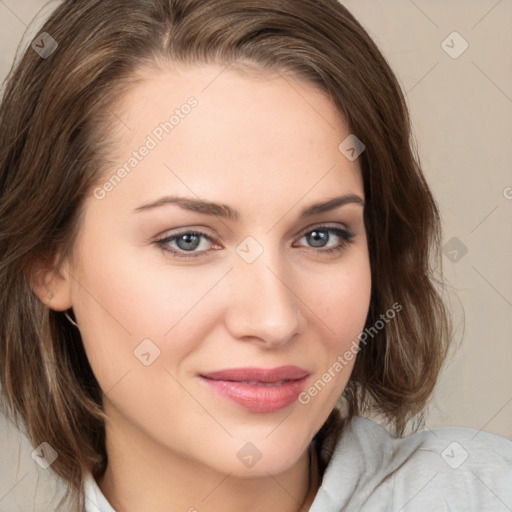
(258, 374)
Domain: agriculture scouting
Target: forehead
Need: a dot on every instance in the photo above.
(215, 132)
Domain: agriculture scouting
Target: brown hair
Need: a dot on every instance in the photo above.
(55, 124)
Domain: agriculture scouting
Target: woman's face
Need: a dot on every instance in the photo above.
(210, 252)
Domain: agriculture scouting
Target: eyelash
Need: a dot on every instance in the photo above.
(346, 236)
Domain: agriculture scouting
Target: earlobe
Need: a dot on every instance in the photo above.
(51, 285)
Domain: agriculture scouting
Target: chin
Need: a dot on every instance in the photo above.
(258, 456)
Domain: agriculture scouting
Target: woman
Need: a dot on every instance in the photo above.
(216, 249)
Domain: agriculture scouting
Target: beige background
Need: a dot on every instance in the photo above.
(462, 116)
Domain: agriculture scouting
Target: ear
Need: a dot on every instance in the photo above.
(52, 285)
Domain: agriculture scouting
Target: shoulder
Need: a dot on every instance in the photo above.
(442, 469)
(456, 468)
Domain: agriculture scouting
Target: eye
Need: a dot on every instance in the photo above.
(328, 239)
(185, 242)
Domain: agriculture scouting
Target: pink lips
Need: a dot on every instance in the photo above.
(259, 389)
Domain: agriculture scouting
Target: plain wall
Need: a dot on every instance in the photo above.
(461, 111)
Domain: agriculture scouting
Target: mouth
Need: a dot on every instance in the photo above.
(258, 389)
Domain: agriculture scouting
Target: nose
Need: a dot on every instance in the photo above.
(263, 305)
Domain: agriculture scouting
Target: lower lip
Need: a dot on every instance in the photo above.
(258, 397)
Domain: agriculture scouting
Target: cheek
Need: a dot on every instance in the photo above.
(346, 306)
(137, 329)
(342, 298)
(128, 307)
(342, 308)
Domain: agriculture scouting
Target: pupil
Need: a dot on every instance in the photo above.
(188, 242)
(318, 238)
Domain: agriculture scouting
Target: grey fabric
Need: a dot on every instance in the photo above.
(442, 469)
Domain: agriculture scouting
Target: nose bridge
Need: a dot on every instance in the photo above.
(263, 305)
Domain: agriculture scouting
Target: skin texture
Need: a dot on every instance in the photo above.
(267, 147)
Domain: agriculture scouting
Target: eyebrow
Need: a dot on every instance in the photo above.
(225, 211)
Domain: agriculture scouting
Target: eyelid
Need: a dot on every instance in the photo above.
(177, 232)
(325, 225)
